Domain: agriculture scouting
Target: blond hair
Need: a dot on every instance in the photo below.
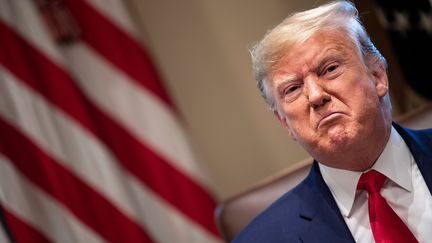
(339, 16)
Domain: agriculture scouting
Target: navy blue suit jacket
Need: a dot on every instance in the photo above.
(308, 213)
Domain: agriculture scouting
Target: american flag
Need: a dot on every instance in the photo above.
(91, 146)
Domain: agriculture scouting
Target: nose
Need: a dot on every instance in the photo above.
(315, 93)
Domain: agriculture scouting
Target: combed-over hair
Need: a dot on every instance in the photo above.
(297, 28)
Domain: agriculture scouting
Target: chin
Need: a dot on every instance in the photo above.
(341, 136)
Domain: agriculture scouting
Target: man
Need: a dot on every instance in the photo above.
(371, 179)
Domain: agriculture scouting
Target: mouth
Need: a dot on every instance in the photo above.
(328, 118)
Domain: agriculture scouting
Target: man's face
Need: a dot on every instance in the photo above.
(327, 98)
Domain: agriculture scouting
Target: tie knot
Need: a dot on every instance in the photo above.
(371, 181)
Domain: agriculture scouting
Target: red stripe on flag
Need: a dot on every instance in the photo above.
(118, 47)
(23, 232)
(86, 203)
(56, 85)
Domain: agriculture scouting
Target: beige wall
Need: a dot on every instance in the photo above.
(201, 49)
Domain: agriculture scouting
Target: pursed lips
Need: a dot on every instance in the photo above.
(327, 117)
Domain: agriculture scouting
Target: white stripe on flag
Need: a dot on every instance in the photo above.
(153, 122)
(49, 217)
(3, 237)
(162, 130)
(48, 127)
(82, 153)
(18, 15)
(166, 223)
(115, 11)
(103, 172)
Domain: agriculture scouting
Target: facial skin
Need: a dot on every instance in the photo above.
(331, 102)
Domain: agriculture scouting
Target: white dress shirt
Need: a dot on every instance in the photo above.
(405, 191)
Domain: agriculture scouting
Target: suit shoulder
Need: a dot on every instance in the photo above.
(422, 132)
(422, 136)
(280, 222)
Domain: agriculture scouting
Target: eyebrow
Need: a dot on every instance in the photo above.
(280, 86)
(330, 54)
(289, 78)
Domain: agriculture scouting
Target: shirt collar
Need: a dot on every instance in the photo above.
(394, 162)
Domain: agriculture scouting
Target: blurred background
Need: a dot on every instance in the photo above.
(127, 121)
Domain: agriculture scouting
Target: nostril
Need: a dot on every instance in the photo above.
(320, 102)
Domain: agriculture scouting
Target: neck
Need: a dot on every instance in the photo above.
(362, 155)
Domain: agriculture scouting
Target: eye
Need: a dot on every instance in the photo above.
(331, 69)
(290, 89)
(291, 92)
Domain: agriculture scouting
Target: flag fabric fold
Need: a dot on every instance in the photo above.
(91, 146)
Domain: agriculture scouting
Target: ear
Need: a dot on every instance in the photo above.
(283, 122)
(381, 80)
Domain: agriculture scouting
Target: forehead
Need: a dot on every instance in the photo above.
(318, 47)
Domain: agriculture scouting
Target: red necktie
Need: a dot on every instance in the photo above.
(386, 225)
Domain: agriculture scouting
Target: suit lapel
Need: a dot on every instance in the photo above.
(321, 210)
(420, 145)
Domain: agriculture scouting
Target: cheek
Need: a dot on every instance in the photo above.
(364, 105)
(368, 97)
(294, 114)
(357, 91)
(298, 125)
